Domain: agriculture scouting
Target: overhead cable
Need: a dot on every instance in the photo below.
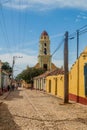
(58, 47)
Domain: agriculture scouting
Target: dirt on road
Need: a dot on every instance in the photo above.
(26, 109)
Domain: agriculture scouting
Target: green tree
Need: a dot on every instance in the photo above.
(6, 67)
(29, 73)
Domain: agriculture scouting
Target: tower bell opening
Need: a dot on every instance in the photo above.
(45, 66)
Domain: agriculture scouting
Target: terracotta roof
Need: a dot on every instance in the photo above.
(53, 66)
(56, 72)
(37, 65)
(50, 73)
(42, 75)
(44, 33)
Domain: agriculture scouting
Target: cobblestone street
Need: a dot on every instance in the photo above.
(26, 109)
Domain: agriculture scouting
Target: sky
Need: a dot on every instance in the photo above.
(23, 21)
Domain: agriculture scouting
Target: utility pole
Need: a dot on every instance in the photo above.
(66, 77)
(13, 69)
(77, 44)
(13, 66)
(77, 65)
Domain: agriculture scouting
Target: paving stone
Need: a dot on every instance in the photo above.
(24, 109)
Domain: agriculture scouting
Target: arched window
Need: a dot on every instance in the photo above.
(45, 44)
(45, 51)
(44, 37)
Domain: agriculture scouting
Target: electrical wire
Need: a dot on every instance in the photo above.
(5, 28)
(82, 27)
(23, 27)
(19, 27)
(83, 31)
(5, 32)
(71, 36)
(58, 47)
(13, 27)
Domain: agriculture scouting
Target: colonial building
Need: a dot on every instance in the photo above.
(44, 57)
(77, 81)
(4, 79)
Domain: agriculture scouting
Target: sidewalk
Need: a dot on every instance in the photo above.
(5, 94)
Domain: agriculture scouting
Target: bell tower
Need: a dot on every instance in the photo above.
(44, 57)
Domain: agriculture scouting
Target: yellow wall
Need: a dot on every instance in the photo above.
(60, 84)
(48, 79)
(77, 67)
(73, 77)
(81, 78)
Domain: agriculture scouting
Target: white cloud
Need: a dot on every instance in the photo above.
(20, 63)
(81, 16)
(6, 58)
(0, 49)
(27, 59)
(46, 4)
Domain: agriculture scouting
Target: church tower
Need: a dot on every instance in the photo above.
(44, 57)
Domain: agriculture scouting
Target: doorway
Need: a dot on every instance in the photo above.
(56, 86)
(45, 66)
(49, 86)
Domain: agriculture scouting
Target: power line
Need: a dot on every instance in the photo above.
(58, 47)
(83, 31)
(82, 27)
(20, 26)
(4, 30)
(72, 35)
(13, 25)
(4, 25)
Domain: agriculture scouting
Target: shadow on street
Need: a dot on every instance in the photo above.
(6, 119)
(14, 95)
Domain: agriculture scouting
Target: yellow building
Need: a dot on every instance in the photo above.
(77, 81)
(55, 84)
(40, 81)
(44, 57)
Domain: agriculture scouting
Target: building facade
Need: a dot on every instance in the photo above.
(77, 81)
(44, 56)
